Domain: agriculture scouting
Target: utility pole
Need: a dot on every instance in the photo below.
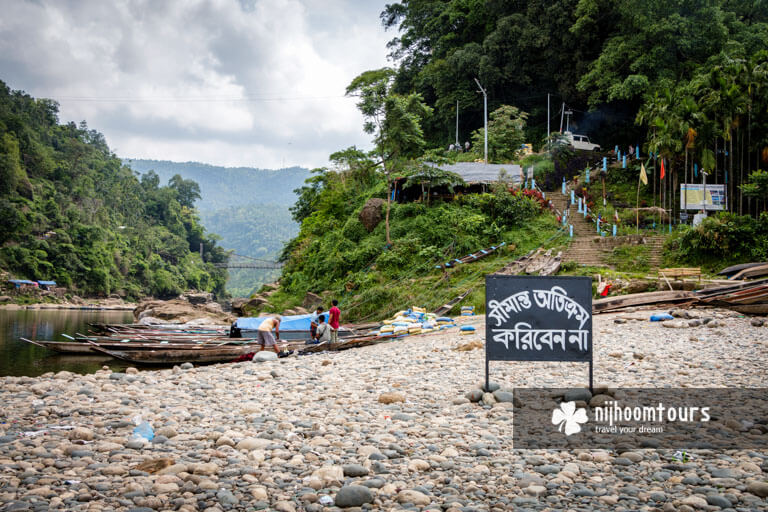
(485, 115)
(568, 120)
(457, 122)
(562, 111)
(548, 117)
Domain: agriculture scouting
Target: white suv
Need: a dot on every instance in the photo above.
(581, 142)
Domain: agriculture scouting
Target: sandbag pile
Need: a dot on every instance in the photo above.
(413, 321)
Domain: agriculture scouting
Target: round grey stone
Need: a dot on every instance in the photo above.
(576, 395)
(353, 496)
(719, 501)
(503, 396)
(474, 396)
(354, 470)
(227, 498)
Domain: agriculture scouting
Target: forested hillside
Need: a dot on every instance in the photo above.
(73, 213)
(686, 81)
(254, 231)
(246, 207)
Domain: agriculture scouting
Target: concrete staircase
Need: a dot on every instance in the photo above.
(591, 250)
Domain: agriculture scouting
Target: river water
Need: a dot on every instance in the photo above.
(19, 358)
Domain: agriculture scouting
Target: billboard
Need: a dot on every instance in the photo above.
(695, 197)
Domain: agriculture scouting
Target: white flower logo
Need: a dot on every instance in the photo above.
(568, 415)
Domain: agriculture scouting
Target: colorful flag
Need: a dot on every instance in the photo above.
(662, 169)
(643, 176)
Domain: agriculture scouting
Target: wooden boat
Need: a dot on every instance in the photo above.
(756, 271)
(84, 347)
(735, 269)
(470, 258)
(445, 308)
(163, 328)
(643, 299)
(220, 354)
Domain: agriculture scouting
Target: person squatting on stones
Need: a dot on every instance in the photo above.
(266, 339)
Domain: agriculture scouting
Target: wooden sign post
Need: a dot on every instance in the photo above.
(530, 318)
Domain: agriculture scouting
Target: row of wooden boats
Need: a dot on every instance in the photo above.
(167, 345)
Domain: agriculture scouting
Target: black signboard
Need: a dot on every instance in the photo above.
(531, 318)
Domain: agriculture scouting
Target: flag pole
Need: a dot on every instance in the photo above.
(637, 207)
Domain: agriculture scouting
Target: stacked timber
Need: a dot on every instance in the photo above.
(745, 297)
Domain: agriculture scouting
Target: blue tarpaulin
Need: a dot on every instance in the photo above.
(288, 323)
(47, 283)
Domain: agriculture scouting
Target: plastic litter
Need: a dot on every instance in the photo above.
(660, 317)
(325, 500)
(143, 429)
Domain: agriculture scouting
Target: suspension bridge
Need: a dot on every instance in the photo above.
(254, 263)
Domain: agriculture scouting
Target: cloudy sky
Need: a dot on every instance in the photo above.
(256, 83)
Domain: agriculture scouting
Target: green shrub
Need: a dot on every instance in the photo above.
(719, 241)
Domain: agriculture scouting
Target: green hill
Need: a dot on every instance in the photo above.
(73, 213)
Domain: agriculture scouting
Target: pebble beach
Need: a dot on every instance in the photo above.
(384, 427)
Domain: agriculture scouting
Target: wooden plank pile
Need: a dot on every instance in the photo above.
(745, 297)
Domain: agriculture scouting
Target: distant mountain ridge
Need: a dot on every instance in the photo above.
(225, 187)
(247, 207)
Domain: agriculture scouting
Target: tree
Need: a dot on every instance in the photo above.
(188, 190)
(393, 119)
(506, 133)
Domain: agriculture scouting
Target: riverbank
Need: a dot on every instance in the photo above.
(110, 304)
(392, 419)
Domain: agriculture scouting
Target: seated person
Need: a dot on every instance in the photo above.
(313, 322)
(323, 331)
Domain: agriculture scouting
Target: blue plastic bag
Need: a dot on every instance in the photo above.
(144, 430)
(660, 317)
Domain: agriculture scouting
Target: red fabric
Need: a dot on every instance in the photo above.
(335, 314)
(662, 169)
(605, 291)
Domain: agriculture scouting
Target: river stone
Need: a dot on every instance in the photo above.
(264, 355)
(695, 502)
(758, 489)
(410, 496)
(285, 506)
(227, 498)
(374, 483)
(168, 432)
(724, 473)
(81, 433)
(719, 501)
(474, 396)
(391, 398)
(354, 470)
(329, 475)
(353, 496)
(577, 395)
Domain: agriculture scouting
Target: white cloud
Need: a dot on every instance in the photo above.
(257, 83)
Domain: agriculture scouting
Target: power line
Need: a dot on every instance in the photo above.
(198, 99)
